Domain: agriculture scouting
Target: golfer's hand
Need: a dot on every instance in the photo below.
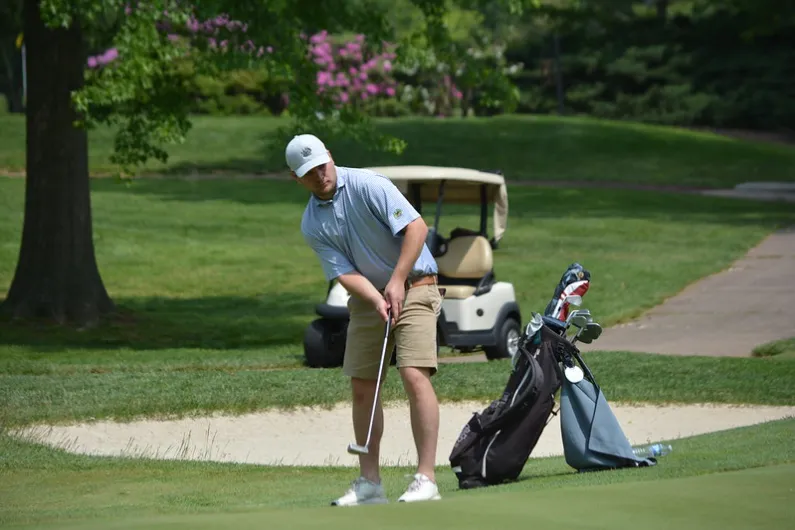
(395, 294)
(382, 308)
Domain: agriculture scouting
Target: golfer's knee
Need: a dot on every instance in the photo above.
(363, 390)
(415, 379)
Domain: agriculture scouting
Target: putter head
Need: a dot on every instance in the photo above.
(356, 449)
(591, 332)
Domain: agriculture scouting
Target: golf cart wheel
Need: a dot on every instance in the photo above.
(324, 344)
(507, 341)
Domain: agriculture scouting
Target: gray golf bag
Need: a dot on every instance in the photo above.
(592, 437)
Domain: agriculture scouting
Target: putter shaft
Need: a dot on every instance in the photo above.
(359, 449)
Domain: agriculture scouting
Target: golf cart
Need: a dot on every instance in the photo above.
(478, 312)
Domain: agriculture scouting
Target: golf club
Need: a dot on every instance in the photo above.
(573, 299)
(578, 321)
(354, 448)
(590, 333)
(584, 312)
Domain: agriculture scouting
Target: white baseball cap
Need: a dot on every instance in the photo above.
(304, 152)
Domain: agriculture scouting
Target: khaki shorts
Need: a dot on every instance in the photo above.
(414, 334)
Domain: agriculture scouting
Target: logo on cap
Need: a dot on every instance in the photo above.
(306, 151)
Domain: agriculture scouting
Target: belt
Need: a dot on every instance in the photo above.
(422, 280)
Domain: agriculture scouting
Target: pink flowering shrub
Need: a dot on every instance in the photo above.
(217, 34)
(350, 73)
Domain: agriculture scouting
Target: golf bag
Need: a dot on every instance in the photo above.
(575, 281)
(592, 437)
(495, 444)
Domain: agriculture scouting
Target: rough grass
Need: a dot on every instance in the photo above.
(781, 349)
(42, 392)
(529, 148)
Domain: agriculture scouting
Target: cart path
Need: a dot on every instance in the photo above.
(725, 314)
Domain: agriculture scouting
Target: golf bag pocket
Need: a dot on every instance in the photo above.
(494, 445)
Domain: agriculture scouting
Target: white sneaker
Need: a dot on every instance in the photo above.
(421, 489)
(362, 491)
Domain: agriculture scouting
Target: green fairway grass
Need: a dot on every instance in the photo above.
(524, 147)
(215, 287)
(218, 265)
(714, 502)
(46, 488)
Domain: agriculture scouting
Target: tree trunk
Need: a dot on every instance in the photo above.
(662, 10)
(56, 278)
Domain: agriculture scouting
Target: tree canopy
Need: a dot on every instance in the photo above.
(134, 81)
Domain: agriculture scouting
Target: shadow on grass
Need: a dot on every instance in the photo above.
(221, 168)
(166, 323)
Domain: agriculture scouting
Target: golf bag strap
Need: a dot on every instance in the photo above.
(506, 415)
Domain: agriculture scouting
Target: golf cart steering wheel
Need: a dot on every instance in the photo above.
(436, 243)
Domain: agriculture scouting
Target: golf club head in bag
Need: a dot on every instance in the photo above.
(589, 333)
(573, 284)
(579, 312)
(578, 321)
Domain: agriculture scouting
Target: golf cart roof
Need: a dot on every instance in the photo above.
(461, 185)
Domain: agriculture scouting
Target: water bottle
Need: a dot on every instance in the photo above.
(652, 451)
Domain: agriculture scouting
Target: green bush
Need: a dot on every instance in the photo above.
(389, 108)
(238, 91)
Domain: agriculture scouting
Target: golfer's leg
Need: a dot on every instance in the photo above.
(364, 342)
(363, 393)
(424, 409)
(415, 335)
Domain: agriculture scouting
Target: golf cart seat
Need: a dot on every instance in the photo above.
(465, 268)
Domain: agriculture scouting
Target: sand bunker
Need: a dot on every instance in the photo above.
(320, 436)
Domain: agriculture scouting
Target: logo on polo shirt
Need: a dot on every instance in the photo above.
(397, 213)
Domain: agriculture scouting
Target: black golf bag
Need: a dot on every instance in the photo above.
(495, 444)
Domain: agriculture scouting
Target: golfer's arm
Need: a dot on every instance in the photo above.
(359, 286)
(413, 238)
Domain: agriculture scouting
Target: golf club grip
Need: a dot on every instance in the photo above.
(585, 368)
(378, 377)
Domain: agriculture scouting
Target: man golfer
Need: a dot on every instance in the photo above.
(369, 237)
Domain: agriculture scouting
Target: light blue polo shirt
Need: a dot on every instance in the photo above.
(357, 230)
